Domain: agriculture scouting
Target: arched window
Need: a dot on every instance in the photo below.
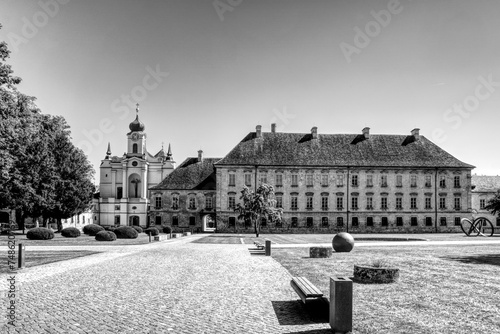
(134, 148)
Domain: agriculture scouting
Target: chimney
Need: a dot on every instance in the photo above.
(416, 133)
(258, 131)
(200, 156)
(273, 127)
(314, 132)
(366, 132)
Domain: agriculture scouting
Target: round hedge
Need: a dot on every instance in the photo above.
(110, 228)
(105, 236)
(92, 229)
(152, 230)
(167, 229)
(137, 228)
(126, 232)
(40, 233)
(70, 232)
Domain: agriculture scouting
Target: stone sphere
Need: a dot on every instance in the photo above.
(343, 242)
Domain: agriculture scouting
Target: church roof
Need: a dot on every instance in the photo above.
(485, 183)
(300, 149)
(191, 175)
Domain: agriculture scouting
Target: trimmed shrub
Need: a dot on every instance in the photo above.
(70, 232)
(137, 228)
(92, 229)
(105, 236)
(126, 232)
(40, 233)
(153, 230)
(110, 228)
(167, 229)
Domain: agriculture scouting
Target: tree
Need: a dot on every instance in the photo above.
(494, 204)
(258, 205)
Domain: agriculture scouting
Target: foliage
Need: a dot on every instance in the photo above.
(40, 233)
(70, 232)
(110, 228)
(126, 232)
(494, 204)
(137, 228)
(258, 205)
(380, 263)
(152, 230)
(92, 229)
(167, 229)
(105, 236)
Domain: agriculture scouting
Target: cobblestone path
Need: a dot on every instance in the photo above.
(166, 287)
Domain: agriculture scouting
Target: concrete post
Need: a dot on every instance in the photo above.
(21, 255)
(268, 247)
(340, 304)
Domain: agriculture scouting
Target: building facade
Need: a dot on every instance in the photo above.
(125, 181)
(484, 188)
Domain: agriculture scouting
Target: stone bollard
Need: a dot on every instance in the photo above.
(320, 252)
(341, 304)
(268, 247)
(21, 255)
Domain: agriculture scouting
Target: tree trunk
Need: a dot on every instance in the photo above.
(59, 225)
(45, 222)
(257, 229)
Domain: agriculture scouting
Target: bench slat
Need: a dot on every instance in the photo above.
(307, 288)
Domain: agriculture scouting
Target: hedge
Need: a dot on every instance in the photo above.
(92, 229)
(167, 229)
(137, 228)
(152, 230)
(40, 233)
(126, 232)
(105, 236)
(70, 232)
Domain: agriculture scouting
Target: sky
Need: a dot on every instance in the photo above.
(206, 72)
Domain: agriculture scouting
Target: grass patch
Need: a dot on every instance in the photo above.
(37, 258)
(442, 289)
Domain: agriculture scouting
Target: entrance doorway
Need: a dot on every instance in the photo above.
(209, 223)
(134, 220)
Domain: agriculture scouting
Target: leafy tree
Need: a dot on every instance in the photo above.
(494, 204)
(258, 205)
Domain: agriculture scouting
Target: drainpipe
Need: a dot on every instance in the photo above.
(436, 201)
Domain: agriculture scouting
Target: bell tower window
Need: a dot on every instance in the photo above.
(134, 148)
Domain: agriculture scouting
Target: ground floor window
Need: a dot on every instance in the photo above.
(175, 221)
(294, 222)
(117, 220)
(309, 222)
(385, 221)
(457, 221)
(399, 221)
(340, 221)
(413, 221)
(355, 221)
(192, 220)
(498, 221)
(158, 220)
(324, 221)
(232, 222)
(428, 221)
(443, 221)
(369, 221)
(263, 222)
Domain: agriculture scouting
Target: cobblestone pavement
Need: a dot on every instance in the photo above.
(165, 287)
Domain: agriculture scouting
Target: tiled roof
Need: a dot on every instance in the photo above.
(299, 149)
(485, 183)
(191, 174)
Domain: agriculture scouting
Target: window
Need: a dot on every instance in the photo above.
(399, 221)
(385, 221)
(232, 180)
(263, 222)
(248, 223)
(482, 203)
(442, 181)
(279, 201)
(231, 201)
(428, 203)
(340, 180)
(175, 202)
(457, 221)
(309, 221)
(457, 203)
(279, 180)
(263, 178)
(324, 180)
(369, 180)
(413, 221)
(158, 203)
(383, 203)
(413, 203)
(278, 223)
(175, 221)
(208, 202)
(428, 181)
(192, 220)
(399, 203)
(442, 221)
(428, 221)
(117, 220)
(413, 181)
(324, 221)
(355, 221)
(456, 181)
(134, 148)
(309, 180)
(340, 221)
(498, 221)
(119, 192)
(117, 207)
(295, 222)
(295, 180)
(383, 180)
(340, 203)
(232, 222)
(192, 203)
(369, 203)
(442, 203)
(399, 180)
(324, 203)
(248, 180)
(354, 203)
(369, 221)
(309, 202)
(293, 202)
(354, 180)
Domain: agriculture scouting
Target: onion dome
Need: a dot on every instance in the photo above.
(136, 125)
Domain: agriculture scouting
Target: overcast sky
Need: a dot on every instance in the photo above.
(205, 73)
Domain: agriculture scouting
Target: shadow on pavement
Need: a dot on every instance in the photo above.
(294, 312)
(493, 259)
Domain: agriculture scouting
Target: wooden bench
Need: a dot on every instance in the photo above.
(259, 245)
(305, 289)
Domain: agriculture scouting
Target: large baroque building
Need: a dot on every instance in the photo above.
(484, 188)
